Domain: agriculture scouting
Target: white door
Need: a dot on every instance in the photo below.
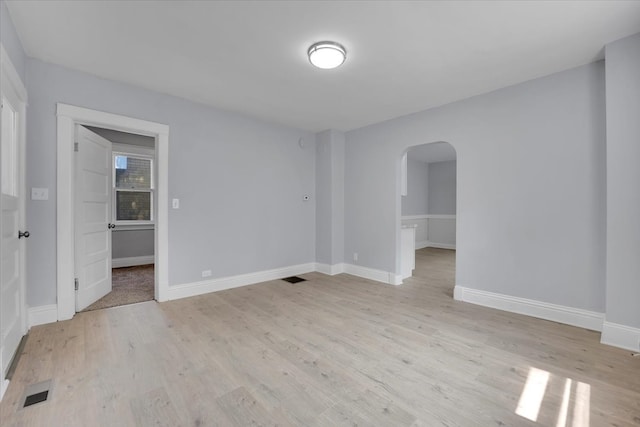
(12, 300)
(92, 217)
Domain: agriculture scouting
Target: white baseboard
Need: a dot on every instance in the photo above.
(557, 313)
(427, 244)
(364, 272)
(329, 269)
(441, 245)
(42, 314)
(132, 261)
(620, 336)
(4, 385)
(373, 274)
(421, 245)
(206, 286)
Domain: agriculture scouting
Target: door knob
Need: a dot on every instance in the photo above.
(22, 234)
(110, 226)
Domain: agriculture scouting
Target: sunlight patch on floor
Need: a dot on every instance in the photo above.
(581, 408)
(532, 394)
(535, 389)
(564, 407)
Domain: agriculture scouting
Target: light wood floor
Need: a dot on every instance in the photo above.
(327, 352)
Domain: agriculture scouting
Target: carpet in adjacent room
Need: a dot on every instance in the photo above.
(130, 285)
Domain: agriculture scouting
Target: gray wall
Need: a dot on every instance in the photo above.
(623, 181)
(240, 181)
(337, 155)
(531, 187)
(330, 146)
(442, 188)
(11, 42)
(416, 200)
(131, 243)
(323, 197)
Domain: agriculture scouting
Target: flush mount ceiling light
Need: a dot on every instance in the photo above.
(327, 55)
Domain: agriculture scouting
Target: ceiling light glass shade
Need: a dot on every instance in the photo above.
(327, 55)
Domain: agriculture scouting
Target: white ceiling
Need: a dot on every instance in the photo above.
(431, 153)
(250, 57)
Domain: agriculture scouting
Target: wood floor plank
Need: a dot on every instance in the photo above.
(331, 351)
(242, 408)
(155, 408)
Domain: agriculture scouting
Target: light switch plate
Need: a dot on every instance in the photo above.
(39, 193)
(175, 203)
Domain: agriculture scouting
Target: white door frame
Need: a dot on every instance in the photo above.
(68, 117)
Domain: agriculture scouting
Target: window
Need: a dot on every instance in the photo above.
(133, 188)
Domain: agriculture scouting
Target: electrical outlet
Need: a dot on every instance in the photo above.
(355, 256)
(206, 273)
(39, 193)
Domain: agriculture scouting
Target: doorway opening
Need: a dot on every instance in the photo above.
(131, 221)
(428, 212)
(71, 120)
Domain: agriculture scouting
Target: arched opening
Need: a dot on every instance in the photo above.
(428, 214)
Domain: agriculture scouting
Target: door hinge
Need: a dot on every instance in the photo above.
(75, 283)
(75, 146)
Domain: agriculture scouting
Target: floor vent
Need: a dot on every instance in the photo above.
(294, 279)
(37, 393)
(32, 399)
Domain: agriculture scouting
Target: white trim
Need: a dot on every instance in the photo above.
(620, 336)
(428, 244)
(404, 174)
(42, 314)
(214, 285)
(65, 219)
(330, 270)
(395, 279)
(161, 238)
(12, 75)
(427, 216)
(423, 244)
(386, 277)
(440, 245)
(97, 118)
(4, 385)
(543, 310)
(206, 286)
(132, 261)
(67, 117)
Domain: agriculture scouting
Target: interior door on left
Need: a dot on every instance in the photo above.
(12, 300)
(92, 217)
